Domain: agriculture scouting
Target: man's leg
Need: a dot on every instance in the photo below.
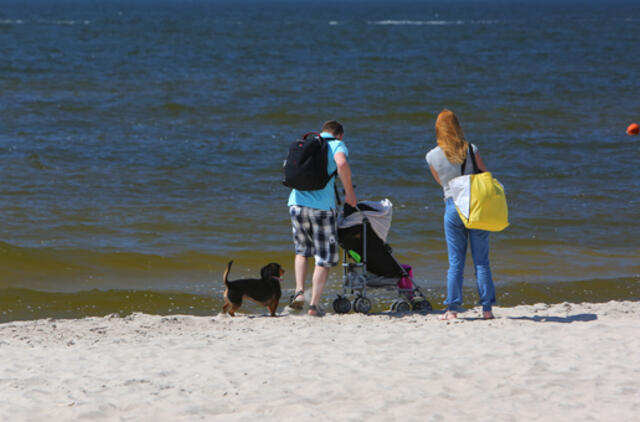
(320, 275)
(301, 272)
(325, 241)
(304, 248)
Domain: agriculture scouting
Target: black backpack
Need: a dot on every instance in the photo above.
(306, 165)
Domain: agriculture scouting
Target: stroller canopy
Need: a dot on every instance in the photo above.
(378, 213)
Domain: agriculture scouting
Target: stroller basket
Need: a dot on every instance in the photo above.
(378, 259)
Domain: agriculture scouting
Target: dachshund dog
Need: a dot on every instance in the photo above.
(264, 291)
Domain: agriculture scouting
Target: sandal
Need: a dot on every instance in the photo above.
(316, 311)
(296, 301)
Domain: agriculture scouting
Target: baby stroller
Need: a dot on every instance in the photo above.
(368, 262)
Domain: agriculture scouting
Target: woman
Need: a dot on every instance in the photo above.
(445, 162)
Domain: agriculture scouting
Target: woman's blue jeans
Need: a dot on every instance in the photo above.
(456, 235)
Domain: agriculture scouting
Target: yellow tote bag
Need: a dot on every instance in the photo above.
(480, 201)
(488, 204)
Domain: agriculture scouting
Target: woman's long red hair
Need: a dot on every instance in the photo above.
(450, 137)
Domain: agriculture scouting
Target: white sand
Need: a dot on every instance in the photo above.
(563, 362)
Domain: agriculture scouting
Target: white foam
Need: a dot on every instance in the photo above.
(66, 22)
(72, 22)
(433, 22)
(46, 22)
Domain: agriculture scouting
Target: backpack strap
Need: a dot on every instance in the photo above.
(317, 135)
(335, 173)
(335, 191)
(326, 140)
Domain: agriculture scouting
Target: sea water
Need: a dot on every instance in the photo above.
(141, 142)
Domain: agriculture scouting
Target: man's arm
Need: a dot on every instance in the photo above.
(344, 172)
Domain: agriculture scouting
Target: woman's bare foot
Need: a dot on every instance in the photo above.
(448, 316)
(487, 315)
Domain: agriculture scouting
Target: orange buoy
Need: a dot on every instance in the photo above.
(633, 129)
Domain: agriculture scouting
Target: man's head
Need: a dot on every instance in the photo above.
(333, 127)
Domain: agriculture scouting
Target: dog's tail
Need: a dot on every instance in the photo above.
(226, 273)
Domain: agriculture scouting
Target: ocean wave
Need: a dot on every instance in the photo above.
(434, 22)
(68, 22)
(174, 108)
(45, 22)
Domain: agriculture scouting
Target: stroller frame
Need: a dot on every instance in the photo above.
(356, 279)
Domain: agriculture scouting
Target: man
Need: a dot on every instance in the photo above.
(314, 220)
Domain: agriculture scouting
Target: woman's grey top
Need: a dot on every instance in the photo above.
(445, 169)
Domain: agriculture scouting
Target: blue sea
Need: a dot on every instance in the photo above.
(141, 142)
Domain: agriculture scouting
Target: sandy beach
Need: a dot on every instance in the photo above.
(576, 362)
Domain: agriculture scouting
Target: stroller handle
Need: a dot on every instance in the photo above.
(348, 209)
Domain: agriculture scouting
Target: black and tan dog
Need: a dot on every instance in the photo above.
(264, 291)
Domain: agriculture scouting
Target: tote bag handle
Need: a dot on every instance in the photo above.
(473, 160)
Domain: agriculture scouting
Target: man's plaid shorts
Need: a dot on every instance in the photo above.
(315, 233)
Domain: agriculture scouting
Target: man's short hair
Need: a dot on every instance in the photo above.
(333, 126)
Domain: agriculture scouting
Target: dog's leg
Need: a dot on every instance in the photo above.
(273, 307)
(234, 308)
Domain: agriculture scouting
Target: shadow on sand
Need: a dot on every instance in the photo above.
(565, 320)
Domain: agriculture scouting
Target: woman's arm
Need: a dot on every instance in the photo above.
(434, 173)
(480, 163)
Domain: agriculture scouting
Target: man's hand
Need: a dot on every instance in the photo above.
(350, 198)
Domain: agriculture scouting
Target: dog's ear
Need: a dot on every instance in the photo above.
(264, 272)
(270, 270)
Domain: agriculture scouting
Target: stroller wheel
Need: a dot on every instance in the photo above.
(362, 305)
(341, 305)
(421, 304)
(400, 305)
